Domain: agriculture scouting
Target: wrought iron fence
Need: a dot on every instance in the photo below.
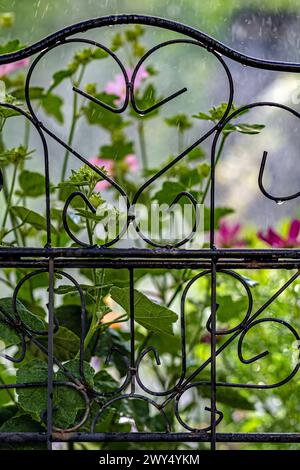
(209, 262)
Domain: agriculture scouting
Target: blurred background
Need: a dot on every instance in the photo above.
(262, 28)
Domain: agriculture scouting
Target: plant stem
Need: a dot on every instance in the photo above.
(10, 195)
(5, 189)
(224, 137)
(73, 126)
(9, 392)
(26, 133)
(70, 138)
(180, 140)
(141, 134)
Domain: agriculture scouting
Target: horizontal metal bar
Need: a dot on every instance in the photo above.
(153, 253)
(150, 253)
(22, 437)
(154, 264)
(205, 39)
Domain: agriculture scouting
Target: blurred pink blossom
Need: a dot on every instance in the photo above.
(132, 162)
(108, 165)
(227, 235)
(5, 69)
(117, 86)
(292, 239)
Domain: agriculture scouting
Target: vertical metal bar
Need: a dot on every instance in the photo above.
(132, 335)
(212, 201)
(47, 192)
(213, 305)
(50, 353)
(213, 390)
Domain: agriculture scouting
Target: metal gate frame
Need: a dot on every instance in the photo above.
(208, 261)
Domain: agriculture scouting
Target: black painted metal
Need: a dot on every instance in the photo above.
(209, 261)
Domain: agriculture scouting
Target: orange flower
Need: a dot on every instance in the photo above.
(109, 317)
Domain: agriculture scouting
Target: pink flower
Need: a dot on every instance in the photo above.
(132, 162)
(227, 236)
(108, 165)
(277, 241)
(117, 86)
(5, 69)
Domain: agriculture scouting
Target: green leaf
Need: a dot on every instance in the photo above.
(11, 46)
(104, 382)
(219, 213)
(32, 183)
(190, 177)
(117, 150)
(73, 367)
(70, 317)
(88, 215)
(172, 346)
(250, 129)
(229, 308)
(119, 277)
(52, 105)
(67, 401)
(30, 217)
(117, 42)
(15, 155)
(35, 93)
(196, 154)
(56, 214)
(233, 398)
(87, 55)
(65, 344)
(202, 116)
(152, 316)
(216, 113)
(148, 99)
(139, 410)
(132, 34)
(108, 420)
(204, 169)
(33, 400)
(22, 423)
(67, 289)
(180, 121)
(7, 113)
(7, 412)
(6, 377)
(99, 54)
(7, 333)
(59, 77)
(96, 115)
